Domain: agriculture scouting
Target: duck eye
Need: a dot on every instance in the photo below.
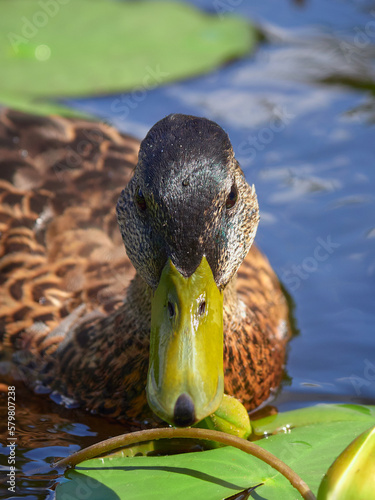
(140, 200)
(232, 197)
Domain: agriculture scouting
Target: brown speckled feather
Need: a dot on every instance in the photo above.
(69, 309)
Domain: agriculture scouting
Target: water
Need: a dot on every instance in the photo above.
(300, 114)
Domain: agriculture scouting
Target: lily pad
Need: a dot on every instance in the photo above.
(55, 48)
(220, 473)
(319, 414)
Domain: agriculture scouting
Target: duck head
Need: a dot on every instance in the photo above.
(188, 219)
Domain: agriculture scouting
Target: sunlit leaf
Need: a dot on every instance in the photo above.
(81, 47)
(223, 472)
(319, 414)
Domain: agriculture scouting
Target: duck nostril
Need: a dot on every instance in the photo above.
(202, 308)
(184, 411)
(171, 309)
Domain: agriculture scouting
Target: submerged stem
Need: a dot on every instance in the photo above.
(221, 437)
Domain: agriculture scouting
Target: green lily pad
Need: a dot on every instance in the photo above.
(54, 48)
(220, 473)
(319, 414)
(35, 106)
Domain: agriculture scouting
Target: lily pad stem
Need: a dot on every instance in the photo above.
(169, 433)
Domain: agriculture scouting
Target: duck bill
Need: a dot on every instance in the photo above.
(185, 380)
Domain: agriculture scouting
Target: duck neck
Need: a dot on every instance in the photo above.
(137, 304)
(231, 300)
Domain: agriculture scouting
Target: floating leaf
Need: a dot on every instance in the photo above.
(79, 47)
(221, 473)
(319, 414)
(209, 475)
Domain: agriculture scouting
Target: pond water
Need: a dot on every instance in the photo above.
(300, 114)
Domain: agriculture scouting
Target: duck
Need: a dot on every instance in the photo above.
(159, 330)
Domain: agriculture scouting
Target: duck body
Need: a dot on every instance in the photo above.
(75, 315)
